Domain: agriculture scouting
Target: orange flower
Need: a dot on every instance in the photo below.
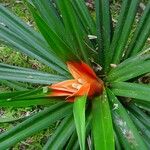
(85, 82)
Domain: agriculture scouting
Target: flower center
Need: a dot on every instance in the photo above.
(81, 81)
(76, 86)
(79, 84)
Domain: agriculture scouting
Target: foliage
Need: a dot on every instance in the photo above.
(114, 120)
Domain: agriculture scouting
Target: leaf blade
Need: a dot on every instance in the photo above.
(73, 29)
(61, 134)
(125, 22)
(132, 90)
(34, 124)
(13, 73)
(104, 31)
(102, 124)
(17, 34)
(126, 130)
(141, 34)
(59, 47)
(79, 118)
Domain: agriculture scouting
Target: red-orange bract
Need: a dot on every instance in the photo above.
(85, 82)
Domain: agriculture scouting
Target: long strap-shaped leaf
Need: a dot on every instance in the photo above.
(29, 75)
(15, 85)
(142, 104)
(61, 49)
(142, 117)
(26, 98)
(133, 90)
(73, 141)
(27, 102)
(20, 36)
(145, 132)
(102, 124)
(61, 134)
(14, 22)
(50, 15)
(126, 130)
(119, 25)
(123, 28)
(88, 26)
(103, 30)
(12, 39)
(73, 29)
(79, 118)
(137, 66)
(140, 125)
(127, 69)
(117, 142)
(27, 94)
(141, 34)
(85, 16)
(34, 124)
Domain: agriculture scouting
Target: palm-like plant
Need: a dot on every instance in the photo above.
(116, 117)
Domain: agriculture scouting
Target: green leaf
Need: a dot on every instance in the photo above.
(130, 68)
(138, 113)
(117, 142)
(141, 34)
(28, 102)
(26, 98)
(34, 124)
(133, 90)
(73, 141)
(123, 29)
(119, 26)
(8, 72)
(59, 47)
(17, 34)
(15, 85)
(145, 132)
(87, 24)
(79, 118)
(126, 130)
(50, 15)
(143, 105)
(85, 16)
(73, 29)
(103, 31)
(61, 134)
(102, 124)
